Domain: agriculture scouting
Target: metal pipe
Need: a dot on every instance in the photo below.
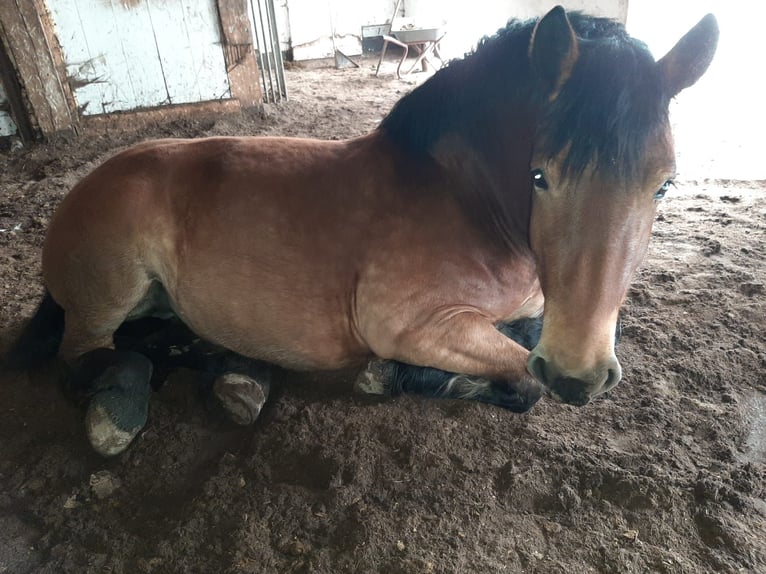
(279, 63)
(268, 59)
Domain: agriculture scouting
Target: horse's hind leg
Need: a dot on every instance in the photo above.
(242, 388)
(116, 382)
(239, 385)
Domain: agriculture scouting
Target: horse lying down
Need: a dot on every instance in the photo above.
(524, 176)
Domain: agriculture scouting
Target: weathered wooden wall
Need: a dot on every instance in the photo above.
(127, 54)
(31, 52)
(76, 60)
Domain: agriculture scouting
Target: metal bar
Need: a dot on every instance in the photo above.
(259, 52)
(267, 58)
(277, 95)
(393, 17)
(279, 63)
(269, 53)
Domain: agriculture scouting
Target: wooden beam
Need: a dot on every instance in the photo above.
(147, 118)
(239, 53)
(27, 35)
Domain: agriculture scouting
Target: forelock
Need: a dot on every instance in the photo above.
(610, 109)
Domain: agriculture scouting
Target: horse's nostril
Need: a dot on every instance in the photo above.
(613, 377)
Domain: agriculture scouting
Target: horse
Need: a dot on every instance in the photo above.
(522, 178)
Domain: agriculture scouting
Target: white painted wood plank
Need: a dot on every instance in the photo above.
(205, 33)
(135, 44)
(124, 55)
(190, 49)
(110, 54)
(7, 125)
(77, 56)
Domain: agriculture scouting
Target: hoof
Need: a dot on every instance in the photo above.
(376, 378)
(116, 413)
(518, 396)
(242, 397)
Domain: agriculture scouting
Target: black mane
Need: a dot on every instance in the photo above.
(607, 111)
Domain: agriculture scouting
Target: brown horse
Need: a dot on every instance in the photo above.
(525, 175)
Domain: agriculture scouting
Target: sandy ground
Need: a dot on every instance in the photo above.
(667, 473)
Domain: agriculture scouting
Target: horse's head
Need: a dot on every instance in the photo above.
(603, 157)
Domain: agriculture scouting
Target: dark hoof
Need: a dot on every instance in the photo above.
(376, 378)
(517, 396)
(241, 397)
(117, 411)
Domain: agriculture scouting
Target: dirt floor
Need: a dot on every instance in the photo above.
(665, 474)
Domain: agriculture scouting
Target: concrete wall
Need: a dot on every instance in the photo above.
(310, 20)
(720, 122)
(311, 23)
(466, 23)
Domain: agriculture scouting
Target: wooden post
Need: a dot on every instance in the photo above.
(239, 53)
(28, 40)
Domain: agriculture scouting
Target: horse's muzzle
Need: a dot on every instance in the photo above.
(571, 390)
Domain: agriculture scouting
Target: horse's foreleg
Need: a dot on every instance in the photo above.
(116, 382)
(392, 378)
(501, 380)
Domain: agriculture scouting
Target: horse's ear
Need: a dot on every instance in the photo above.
(690, 58)
(553, 50)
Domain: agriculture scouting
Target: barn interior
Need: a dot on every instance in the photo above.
(666, 473)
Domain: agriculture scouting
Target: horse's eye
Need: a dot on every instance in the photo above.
(660, 193)
(538, 179)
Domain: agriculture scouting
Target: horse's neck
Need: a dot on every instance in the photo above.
(491, 184)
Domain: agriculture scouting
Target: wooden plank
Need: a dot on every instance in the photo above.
(126, 55)
(23, 28)
(189, 46)
(110, 54)
(147, 118)
(241, 64)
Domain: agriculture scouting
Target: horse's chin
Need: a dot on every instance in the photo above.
(576, 401)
